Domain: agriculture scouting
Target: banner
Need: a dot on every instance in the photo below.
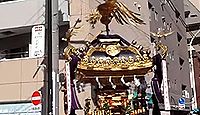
(20, 109)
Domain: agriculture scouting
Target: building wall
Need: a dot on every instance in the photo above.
(21, 12)
(178, 72)
(193, 22)
(17, 80)
(196, 3)
(197, 76)
(18, 17)
(27, 12)
(17, 83)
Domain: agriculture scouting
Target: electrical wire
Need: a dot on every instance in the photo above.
(98, 1)
(173, 7)
(34, 14)
(174, 22)
(145, 33)
(79, 14)
(61, 3)
(42, 15)
(11, 83)
(83, 1)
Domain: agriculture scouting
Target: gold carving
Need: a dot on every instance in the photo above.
(163, 48)
(117, 63)
(113, 8)
(69, 50)
(161, 34)
(160, 46)
(113, 50)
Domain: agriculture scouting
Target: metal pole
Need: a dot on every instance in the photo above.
(68, 80)
(192, 77)
(46, 92)
(55, 57)
(166, 90)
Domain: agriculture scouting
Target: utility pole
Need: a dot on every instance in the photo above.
(50, 94)
(47, 88)
(55, 57)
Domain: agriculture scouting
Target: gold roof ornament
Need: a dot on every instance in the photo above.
(113, 8)
(68, 51)
(163, 48)
(160, 46)
(161, 34)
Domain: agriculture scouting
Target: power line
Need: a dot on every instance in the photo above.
(98, 1)
(34, 14)
(145, 33)
(180, 18)
(10, 83)
(173, 7)
(42, 15)
(62, 3)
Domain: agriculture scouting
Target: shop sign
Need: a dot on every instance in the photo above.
(20, 109)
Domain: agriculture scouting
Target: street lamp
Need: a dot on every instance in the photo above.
(192, 77)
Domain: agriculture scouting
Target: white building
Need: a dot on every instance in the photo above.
(17, 68)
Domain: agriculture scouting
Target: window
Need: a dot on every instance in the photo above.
(179, 38)
(171, 55)
(15, 53)
(149, 5)
(177, 13)
(193, 15)
(181, 62)
(162, 5)
(156, 16)
(163, 20)
(187, 14)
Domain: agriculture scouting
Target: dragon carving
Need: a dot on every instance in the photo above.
(113, 8)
